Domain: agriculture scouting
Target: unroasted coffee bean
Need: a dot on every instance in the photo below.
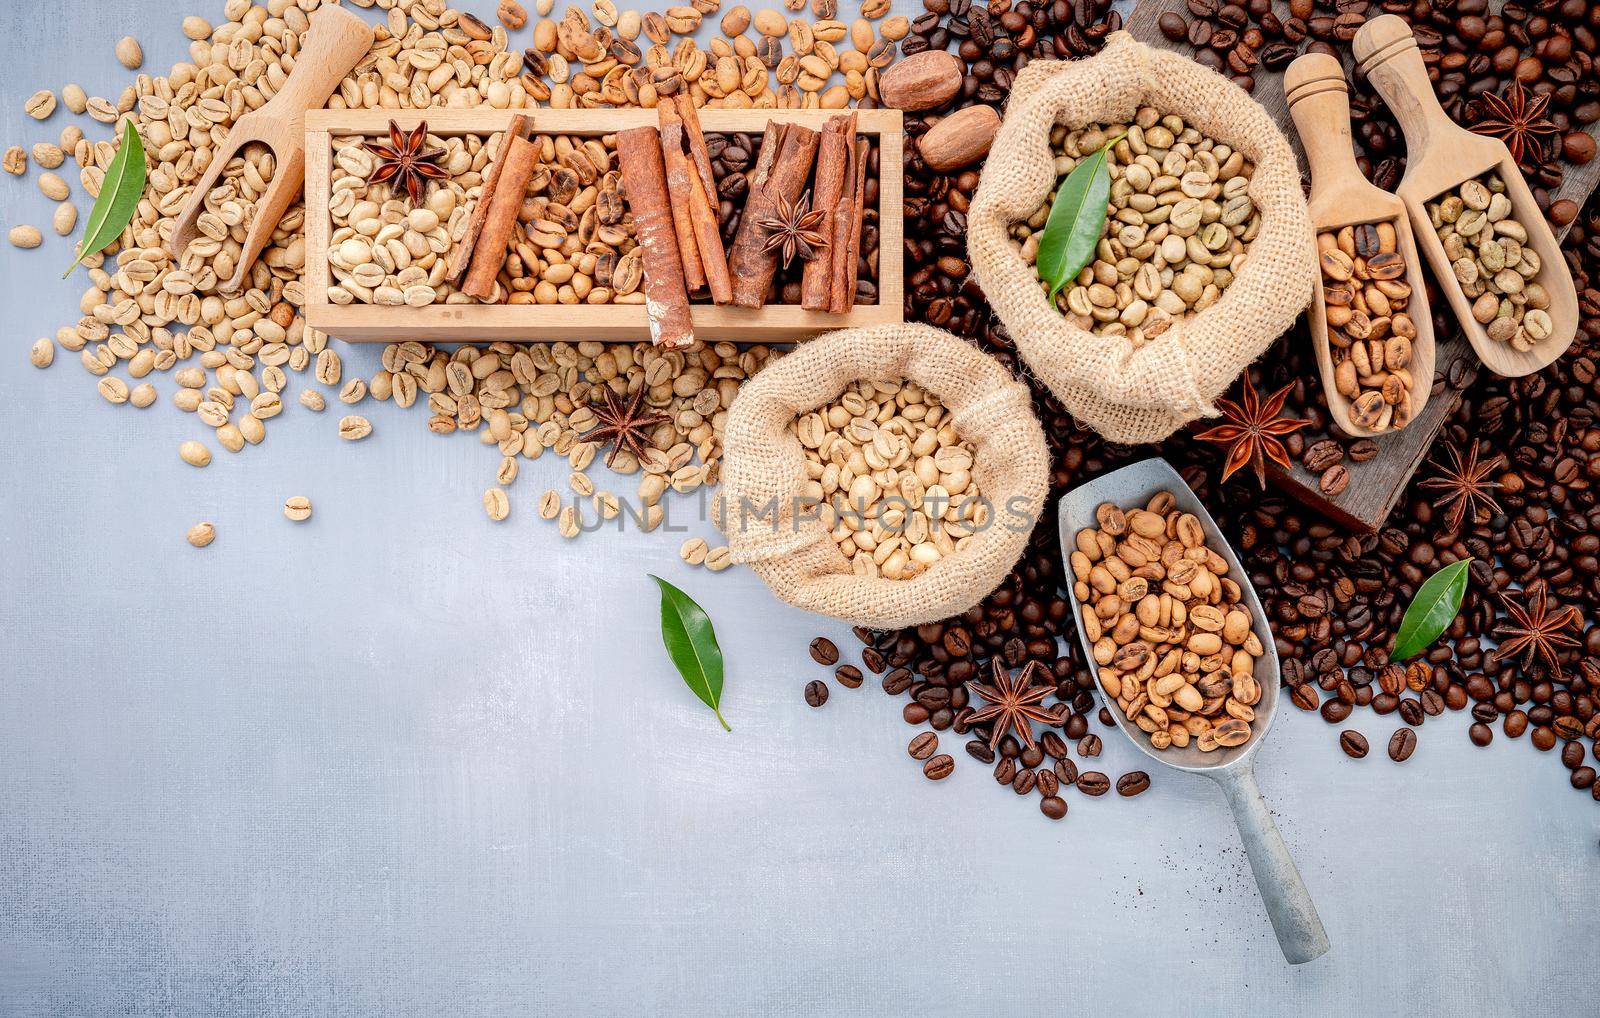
(823, 651)
(816, 693)
(1353, 743)
(1093, 783)
(1402, 744)
(940, 767)
(849, 676)
(923, 745)
(1132, 783)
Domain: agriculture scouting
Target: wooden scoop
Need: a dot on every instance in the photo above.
(336, 43)
(1319, 101)
(1440, 157)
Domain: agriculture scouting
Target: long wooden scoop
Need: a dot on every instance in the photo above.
(335, 44)
(1319, 101)
(1441, 156)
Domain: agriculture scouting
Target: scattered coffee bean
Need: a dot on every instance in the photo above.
(1132, 783)
(940, 767)
(923, 745)
(824, 651)
(1353, 743)
(816, 693)
(848, 676)
(1093, 783)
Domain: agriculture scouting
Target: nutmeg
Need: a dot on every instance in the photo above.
(921, 81)
(960, 139)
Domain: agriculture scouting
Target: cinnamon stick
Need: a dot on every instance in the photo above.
(681, 179)
(644, 177)
(462, 256)
(782, 169)
(833, 164)
(489, 253)
(703, 202)
(847, 231)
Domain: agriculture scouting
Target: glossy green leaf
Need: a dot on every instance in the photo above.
(1431, 611)
(1077, 218)
(119, 197)
(692, 644)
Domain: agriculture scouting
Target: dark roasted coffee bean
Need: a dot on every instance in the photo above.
(1305, 696)
(1571, 755)
(1353, 743)
(1335, 711)
(823, 651)
(1093, 783)
(849, 676)
(1543, 739)
(1067, 771)
(816, 692)
(1053, 745)
(1023, 783)
(1515, 724)
(1411, 711)
(1132, 783)
(1402, 744)
(1334, 481)
(923, 745)
(1053, 806)
(940, 767)
(1047, 781)
(1480, 733)
(979, 750)
(874, 660)
(1583, 778)
(1090, 745)
(1005, 770)
(1432, 703)
(897, 681)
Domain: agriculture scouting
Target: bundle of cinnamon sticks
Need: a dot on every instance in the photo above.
(672, 193)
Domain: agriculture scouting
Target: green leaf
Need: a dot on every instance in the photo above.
(119, 197)
(692, 643)
(1431, 611)
(1077, 218)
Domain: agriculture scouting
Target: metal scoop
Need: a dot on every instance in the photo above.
(336, 43)
(1294, 916)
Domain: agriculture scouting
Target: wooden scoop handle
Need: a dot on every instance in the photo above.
(1319, 101)
(1387, 54)
(334, 45)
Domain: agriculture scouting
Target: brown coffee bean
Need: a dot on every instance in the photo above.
(1353, 743)
(1334, 481)
(897, 681)
(1093, 783)
(849, 676)
(1402, 744)
(940, 767)
(1067, 771)
(1090, 745)
(1053, 806)
(923, 745)
(816, 693)
(1481, 734)
(824, 652)
(1132, 783)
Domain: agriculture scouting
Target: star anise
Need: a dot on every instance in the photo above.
(1517, 118)
(1012, 702)
(793, 231)
(404, 163)
(1464, 487)
(1535, 631)
(623, 425)
(1252, 432)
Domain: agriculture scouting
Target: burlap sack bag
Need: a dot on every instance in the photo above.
(770, 528)
(1142, 395)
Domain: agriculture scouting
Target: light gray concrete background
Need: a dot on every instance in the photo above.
(400, 760)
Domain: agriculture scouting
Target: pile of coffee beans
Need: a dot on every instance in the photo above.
(1334, 598)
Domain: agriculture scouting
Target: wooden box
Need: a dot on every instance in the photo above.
(487, 323)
